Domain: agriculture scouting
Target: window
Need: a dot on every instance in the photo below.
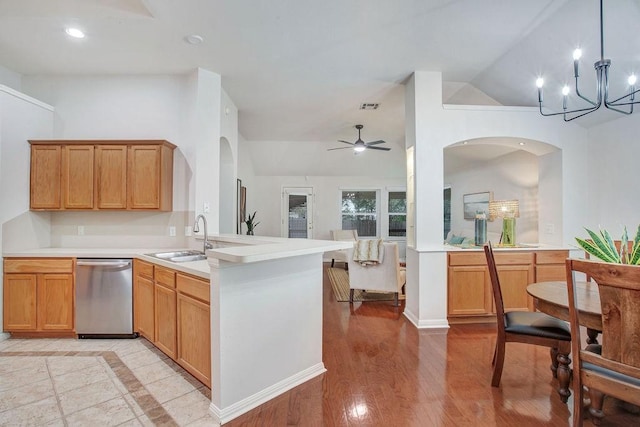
(375, 213)
(359, 212)
(446, 198)
(397, 213)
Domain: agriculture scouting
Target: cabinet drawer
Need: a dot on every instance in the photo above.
(144, 269)
(551, 257)
(165, 277)
(197, 288)
(479, 258)
(467, 258)
(38, 265)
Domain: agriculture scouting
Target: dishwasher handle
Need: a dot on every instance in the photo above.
(118, 264)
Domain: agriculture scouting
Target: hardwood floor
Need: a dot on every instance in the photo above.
(382, 371)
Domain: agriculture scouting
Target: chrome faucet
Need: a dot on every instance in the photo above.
(196, 229)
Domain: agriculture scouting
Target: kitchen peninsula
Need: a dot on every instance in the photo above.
(265, 301)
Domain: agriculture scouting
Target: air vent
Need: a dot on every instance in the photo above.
(368, 106)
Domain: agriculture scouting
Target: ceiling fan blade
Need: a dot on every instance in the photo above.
(376, 142)
(346, 142)
(378, 148)
(340, 148)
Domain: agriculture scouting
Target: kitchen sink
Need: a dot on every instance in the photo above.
(180, 256)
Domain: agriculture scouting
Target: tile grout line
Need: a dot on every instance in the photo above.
(55, 392)
(147, 402)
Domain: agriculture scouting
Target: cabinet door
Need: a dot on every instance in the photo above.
(77, 176)
(143, 306)
(19, 302)
(551, 273)
(144, 177)
(513, 282)
(111, 183)
(55, 302)
(46, 163)
(166, 320)
(469, 291)
(194, 337)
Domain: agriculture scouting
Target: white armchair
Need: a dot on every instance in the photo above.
(346, 236)
(386, 276)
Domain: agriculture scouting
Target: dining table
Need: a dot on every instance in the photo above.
(552, 298)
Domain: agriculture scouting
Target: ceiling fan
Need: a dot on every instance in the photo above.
(359, 146)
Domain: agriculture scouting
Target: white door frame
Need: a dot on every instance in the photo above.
(296, 191)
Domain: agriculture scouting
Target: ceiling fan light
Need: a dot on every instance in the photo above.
(359, 148)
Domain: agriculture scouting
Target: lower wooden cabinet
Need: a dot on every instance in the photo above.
(194, 337)
(171, 309)
(470, 296)
(143, 299)
(165, 311)
(38, 295)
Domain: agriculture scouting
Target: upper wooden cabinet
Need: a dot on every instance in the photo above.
(46, 161)
(118, 175)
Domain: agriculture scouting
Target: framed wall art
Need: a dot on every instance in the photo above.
(476, 202)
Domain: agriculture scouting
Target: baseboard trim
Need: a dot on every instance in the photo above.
(426, 323)
(224, 415)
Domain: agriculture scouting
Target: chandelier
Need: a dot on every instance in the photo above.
(602, 87)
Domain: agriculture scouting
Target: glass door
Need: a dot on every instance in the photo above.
(297, 218)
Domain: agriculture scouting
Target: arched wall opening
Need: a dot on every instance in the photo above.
(507, 168)
(227, 188)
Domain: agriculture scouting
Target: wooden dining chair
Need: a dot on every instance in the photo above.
(528, 328)
(612, 368)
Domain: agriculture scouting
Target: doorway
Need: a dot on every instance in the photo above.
(297, 212)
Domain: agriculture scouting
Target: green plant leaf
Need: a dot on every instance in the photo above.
(634, 257)
(624, 246)
(595, 250)
(605, 245)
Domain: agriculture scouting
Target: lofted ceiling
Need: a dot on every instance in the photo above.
(298, 70)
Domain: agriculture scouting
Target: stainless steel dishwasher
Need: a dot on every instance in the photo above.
(104, 298)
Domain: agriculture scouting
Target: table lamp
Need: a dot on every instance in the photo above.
(508, 210)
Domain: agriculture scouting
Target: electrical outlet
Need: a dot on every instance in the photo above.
(205, 207)
(549, 229)
(188, 230)
(172, 231)
(81, 230)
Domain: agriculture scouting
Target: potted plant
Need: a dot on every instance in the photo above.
(251, 224)
(602, 246)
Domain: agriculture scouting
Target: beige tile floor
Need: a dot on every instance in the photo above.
(70, 382)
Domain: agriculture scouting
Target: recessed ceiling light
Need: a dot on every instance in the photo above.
(522, 143)
(194, 39)
(74, 32)
(465, 142)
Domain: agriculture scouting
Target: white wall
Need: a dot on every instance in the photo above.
(265, 197)
(10, 79)
(612, 187)
(512, 176)
(183, 109)
(21, 118)
(431, 127)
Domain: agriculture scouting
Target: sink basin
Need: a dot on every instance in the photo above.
(180, 256)
(186, 258)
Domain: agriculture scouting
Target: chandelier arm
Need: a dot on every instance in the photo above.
(616, 101)
(584, 97)
(588, 110)
(606, 104)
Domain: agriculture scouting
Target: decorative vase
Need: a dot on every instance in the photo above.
(481, 231)
(250, 232)
(508, 231)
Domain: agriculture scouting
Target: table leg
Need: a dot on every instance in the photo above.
(564, 376)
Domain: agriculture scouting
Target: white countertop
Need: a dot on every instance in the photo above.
(231, 248)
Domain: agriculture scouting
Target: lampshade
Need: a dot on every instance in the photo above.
(504, 209)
